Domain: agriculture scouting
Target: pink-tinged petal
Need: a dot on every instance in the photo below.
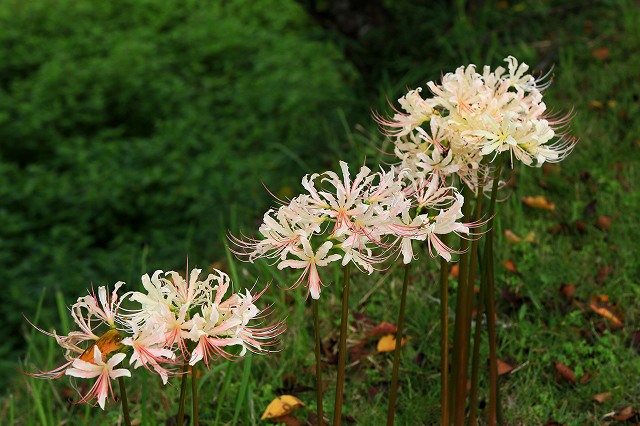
(314, 282)
(324, 249)
(407, 251)
(295, 264)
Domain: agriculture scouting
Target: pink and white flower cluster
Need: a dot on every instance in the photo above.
(473, 115)
(179, 321)
(362, 221)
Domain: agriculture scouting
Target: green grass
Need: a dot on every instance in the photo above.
(536, 328)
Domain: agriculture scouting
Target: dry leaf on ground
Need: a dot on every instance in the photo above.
(565, 372)
(601, 397)
(384, 327)
(514, 239)
(601, 53)
(504, 368)
(603, 223)
(601, 306)
(538, 202)
(388, 343)
(567, 291)
(510, 265)
(624, 413)
(281, 406)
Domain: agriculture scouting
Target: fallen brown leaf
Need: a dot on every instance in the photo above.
(538, 202)
(510, 266)
(514, 239)
(585, 378)
(384, 327)
(601, 306)
(601, 397)
(567, 291)
(504, 368)
(594, 104)
(281, 406)
(603, 223)
(388, 343)
(625, 413)
(565, 373)
(454, 270)
(581, 227)
(511, 237)
(601, 53)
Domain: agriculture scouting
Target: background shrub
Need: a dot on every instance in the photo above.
(130, 131)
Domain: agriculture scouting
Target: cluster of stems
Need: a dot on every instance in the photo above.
(460, 399)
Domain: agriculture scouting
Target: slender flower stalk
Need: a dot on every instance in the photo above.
(444, 339)
(461, 338)
(475, 360)
(183, 393)
(490, 300)
(342, 349)
(125, 402)
(316, 326)
(396, 356)
(473, 263)
(194, 395)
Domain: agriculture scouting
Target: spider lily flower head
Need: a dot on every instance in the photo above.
(416, 111)
(472, 115)
(178, 320)
(436, 210)
(103, 370)
(196, 321)
(148, 349)
(96, 317)
(98, 360)
(102, 306)
(339, 218)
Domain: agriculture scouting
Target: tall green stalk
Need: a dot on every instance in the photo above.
(194, 395)
(493, 358)
(316, 325)
(461, 337)
(475, 360)
(342, 350)
(444, 338)
(125, 403)
(183, 393)
(396, 356)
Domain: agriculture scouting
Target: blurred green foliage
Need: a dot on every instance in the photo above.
(135, 128)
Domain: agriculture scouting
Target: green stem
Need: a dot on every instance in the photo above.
(342, 350)
(316, 325)
(444, 338)
(491, 310)
(473, 261)
(475, 361)
(461, 338)
(183, 393)
(491, 322)
(194, 395)
(125, 403)
(396, 356)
